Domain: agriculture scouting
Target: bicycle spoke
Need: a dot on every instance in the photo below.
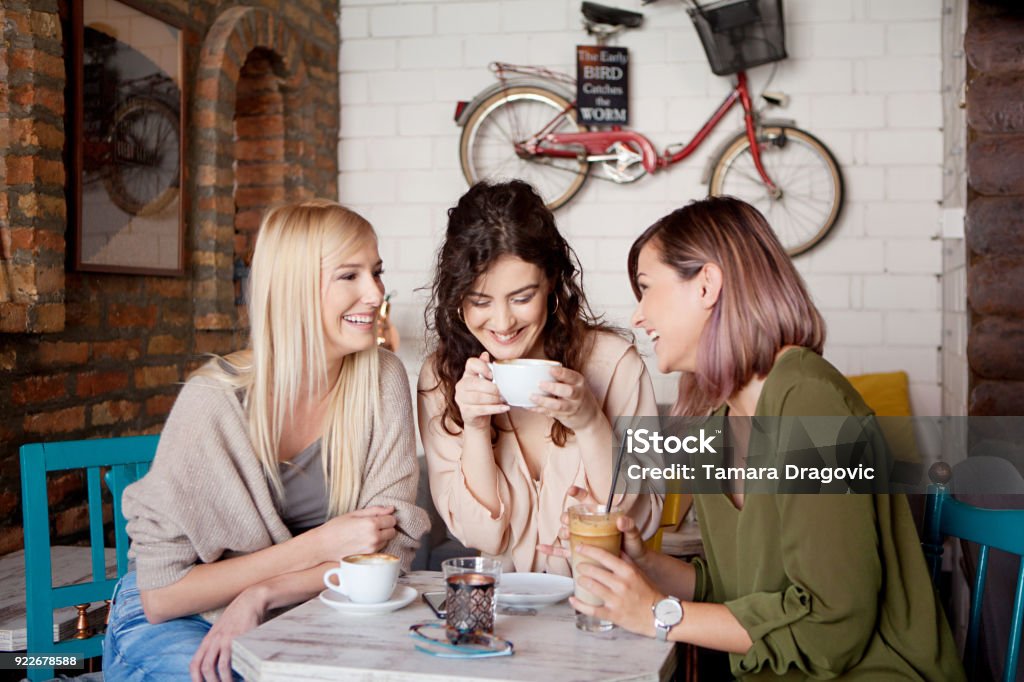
(146, 153)
(791, 209)
(809, 193)
(810, 202)
(490, 144)
(749, 172)
(497, 172)
(504, 133)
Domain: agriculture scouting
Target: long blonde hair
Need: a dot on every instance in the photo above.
(763, 305)
(286, 347)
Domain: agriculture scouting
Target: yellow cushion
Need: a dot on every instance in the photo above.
(888, 394)
(675, 507)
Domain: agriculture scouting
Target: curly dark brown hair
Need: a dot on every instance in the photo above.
(490, 221)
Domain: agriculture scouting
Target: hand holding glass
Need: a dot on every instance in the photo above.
(594, 525)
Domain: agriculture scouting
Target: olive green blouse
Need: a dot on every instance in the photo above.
(828, 585)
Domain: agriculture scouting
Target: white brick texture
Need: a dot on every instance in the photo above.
(401, 21)
(864, 77)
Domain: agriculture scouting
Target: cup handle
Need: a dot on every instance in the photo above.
(336, 586)
(492, 365)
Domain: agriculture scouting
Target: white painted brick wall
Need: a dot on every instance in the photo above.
(864, 76)
(369, 54)
(401, 21)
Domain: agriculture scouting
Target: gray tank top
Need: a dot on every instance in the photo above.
(305, 490)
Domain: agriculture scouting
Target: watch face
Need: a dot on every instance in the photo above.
(668, 611)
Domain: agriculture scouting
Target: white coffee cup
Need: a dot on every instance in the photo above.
(519, 379)
(365, 578)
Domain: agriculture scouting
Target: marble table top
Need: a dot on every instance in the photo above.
(71, 565)
(315, 642)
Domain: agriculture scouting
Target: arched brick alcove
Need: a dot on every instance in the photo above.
(241, 38)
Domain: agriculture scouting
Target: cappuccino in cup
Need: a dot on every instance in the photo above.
(365, 578)
(518, 379)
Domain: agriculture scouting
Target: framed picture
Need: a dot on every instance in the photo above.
(127, 139)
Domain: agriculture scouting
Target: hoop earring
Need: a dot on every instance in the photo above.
(555, 309)
(458, 314)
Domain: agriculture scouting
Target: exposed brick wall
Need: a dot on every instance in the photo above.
(994, 44)
(32, 210)
(118, 346)
(260, 153)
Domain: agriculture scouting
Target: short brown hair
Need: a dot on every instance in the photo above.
(763, 305)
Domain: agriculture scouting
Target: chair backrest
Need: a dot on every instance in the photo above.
(675, 506)
(127, 459)
(999, 528)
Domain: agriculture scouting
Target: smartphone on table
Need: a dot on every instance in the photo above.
(435, 600)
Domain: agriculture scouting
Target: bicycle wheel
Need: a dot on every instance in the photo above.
(488, 147)
(810, 185)
(143, 175)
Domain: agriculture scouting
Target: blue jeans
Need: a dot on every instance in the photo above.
(136, 650)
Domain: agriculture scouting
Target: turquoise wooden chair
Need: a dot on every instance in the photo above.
(127, 459)
(999, 528)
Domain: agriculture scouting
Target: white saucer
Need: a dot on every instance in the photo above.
(402, 595)
(533, 589)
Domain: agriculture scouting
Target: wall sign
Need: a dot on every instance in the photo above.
(602, 85)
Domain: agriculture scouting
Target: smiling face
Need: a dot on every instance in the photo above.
(673, 311)
(506, 309)
(351, 293)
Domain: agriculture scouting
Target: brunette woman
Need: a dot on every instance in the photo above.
(507, 286)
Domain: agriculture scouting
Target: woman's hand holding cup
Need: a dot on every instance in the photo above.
(568, 399)
(477, 397)
(363, 531)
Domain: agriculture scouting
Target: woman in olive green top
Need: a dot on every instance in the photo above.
(793, 586)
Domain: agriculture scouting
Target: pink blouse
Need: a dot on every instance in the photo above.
(530, 510)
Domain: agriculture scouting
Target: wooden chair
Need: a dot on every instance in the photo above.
(127, 460)
(999, 528)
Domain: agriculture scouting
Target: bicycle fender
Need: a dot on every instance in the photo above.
(712, 160)
(495, 88)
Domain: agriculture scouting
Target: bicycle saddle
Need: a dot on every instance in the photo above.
(602, 14)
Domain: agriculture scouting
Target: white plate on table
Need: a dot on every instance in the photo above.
(533, 590)
(401, 597)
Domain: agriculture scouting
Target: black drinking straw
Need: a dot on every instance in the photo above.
(615, 472)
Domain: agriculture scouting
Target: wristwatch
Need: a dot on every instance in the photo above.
(668, 613)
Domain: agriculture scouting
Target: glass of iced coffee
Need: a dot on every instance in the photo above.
(592, 524)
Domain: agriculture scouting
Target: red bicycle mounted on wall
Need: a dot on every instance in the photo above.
(524, 126)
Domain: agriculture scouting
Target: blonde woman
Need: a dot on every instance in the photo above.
(275, 462)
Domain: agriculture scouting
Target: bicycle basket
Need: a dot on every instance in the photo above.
(740, 34)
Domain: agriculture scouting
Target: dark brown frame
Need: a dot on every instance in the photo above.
(75, 143)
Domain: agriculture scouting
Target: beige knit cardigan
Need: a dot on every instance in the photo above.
(206, 498)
